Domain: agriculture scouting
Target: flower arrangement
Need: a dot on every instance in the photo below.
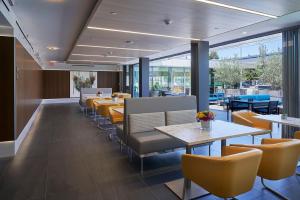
(205, 116)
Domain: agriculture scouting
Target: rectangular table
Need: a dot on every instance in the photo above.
(193, 135)
(290, 121)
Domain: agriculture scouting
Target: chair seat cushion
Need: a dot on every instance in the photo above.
(152, 141)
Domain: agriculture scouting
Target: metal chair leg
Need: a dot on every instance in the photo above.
(272, 191)
(271, 135)
(209, 149)
(252, 139)
(142, 166)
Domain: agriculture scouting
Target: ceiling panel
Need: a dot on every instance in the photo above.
(53, 23)
(190, 19)
(274, 7)
(59, 22)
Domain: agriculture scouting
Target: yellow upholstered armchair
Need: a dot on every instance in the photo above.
(280, 159)
(297, 135)
(247, 118)
(228, 176)
(115, 117)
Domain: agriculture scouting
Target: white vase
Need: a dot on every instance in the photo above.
(206, 125)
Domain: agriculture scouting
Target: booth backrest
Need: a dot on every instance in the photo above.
(84, 92)
(145, 122)
(157, 104)
(180, 117)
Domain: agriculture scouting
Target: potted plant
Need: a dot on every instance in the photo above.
(205, 118)
(155, 90)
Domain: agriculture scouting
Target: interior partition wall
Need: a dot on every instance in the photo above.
(291, 77)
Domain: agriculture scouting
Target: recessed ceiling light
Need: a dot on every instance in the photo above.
(113, 13)
(237, 8)
(88, 55)
(141, 33)
(96, 61)
(129, 42)
(52, 48)
(244, 32)
(120, 48)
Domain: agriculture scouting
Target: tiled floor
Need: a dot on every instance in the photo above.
(67, 157)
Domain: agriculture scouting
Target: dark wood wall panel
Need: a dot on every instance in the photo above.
(56, 84)
(7, 88)
(28, 86)
(108, 80)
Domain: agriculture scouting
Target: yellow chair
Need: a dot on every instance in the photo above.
(297, 135)
(228, 176)
(90, 103)
(280, 159)
(115, 117)
(247, 118)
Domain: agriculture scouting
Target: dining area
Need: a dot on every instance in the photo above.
(153, 126)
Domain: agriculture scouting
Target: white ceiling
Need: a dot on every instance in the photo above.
(58, 23)
(53, 23)
(5, 28)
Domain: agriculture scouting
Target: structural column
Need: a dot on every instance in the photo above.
(200, 73)
(144, 77)
(131, 79)
(291, 78)
(124, 74)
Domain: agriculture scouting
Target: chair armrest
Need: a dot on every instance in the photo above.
(274, 140)
(258, 123)
(231, 150)
(241, 120)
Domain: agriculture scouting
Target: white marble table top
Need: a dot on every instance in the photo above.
(290, 121)
(192, 134)
(119, 110)
(110, 101)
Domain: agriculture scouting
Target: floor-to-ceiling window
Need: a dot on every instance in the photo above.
(171, 75)
(136, 80)
(248, 67)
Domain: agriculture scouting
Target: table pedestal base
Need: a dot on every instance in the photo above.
(177, 187)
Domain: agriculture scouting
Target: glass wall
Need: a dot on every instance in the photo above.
(248, 67)
(171, 76)
(136, 80)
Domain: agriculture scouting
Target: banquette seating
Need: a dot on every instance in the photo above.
(142, 115)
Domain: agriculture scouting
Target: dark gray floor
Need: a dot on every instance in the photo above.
(66, 157)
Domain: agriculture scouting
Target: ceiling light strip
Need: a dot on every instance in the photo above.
(237, 8)
(104, 61)
(120, 48)
(102, 56)
(141, 33)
